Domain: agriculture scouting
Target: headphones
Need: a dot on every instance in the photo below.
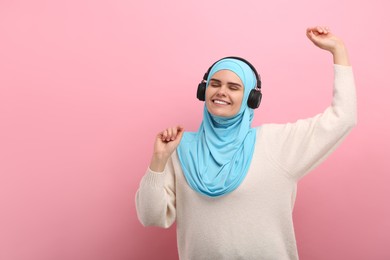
(255, 95)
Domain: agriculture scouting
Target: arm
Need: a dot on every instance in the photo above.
(156, 196)
(299, 147)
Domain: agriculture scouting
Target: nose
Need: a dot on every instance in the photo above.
(222, 90)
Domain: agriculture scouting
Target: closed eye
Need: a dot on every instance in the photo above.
(234, 87)
(217, 83)
(214, 83)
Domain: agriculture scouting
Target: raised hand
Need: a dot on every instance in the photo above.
(323, 38)
(166, 142)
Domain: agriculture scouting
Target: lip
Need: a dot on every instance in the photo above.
(221, 100)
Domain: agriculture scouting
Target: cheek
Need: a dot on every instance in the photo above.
(209, 92)
(239, 99)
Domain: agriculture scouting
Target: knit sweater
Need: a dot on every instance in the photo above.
(255, 220)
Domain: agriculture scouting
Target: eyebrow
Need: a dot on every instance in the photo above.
(229, 83)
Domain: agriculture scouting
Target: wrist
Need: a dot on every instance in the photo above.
(340, 54)
(158, 162)
(338, 48)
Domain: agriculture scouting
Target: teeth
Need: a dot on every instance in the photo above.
(221, 102)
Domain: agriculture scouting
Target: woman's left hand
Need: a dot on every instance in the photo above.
(324, 39)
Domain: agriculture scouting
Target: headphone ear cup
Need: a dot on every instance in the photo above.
(254, 98)
(201, 93)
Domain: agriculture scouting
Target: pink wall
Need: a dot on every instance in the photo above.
(86, 85)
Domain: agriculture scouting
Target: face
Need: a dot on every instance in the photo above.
(224, 94)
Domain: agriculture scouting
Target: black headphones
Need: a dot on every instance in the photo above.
(255, 95)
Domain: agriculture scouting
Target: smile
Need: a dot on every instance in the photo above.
(220, 102)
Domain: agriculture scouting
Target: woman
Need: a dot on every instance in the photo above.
(231, 188)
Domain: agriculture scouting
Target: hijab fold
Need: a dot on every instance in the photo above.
(216, 159)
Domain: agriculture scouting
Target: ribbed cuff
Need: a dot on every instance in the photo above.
(153, 179)
(338, 67)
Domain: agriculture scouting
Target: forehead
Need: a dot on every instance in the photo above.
(227, 75)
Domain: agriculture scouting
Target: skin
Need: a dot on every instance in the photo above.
(225, 86)
(168, 140)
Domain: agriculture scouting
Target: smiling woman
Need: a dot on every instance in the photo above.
(230, 187)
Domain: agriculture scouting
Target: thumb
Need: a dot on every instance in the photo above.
(180, 132)
(310, 34)
(314, 38)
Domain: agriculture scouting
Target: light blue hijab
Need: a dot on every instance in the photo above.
(216, 159)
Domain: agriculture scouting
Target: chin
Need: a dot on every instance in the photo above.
(220, 113)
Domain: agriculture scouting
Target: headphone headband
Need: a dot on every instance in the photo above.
(257, 75)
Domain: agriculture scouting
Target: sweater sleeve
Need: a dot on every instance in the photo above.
(155, 199)
(299, 147)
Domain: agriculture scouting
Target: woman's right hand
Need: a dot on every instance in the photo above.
(166, 142)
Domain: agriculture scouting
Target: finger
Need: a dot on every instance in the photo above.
(317, 30)
(309, 30)
(169, 134)
(312, 31)
(320, 29)
(174, 133)
(164, 135)
(180, 132)
(310, 35)
(324, 29)
(160, 136)
(327, 29)
(180, 128)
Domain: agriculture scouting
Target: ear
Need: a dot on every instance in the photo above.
(201, 93)
(254, 98)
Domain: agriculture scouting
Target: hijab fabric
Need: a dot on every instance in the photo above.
(216, 159)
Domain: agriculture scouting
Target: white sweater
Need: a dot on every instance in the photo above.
(254, 221)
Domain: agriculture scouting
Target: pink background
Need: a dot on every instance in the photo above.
(86, 85)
